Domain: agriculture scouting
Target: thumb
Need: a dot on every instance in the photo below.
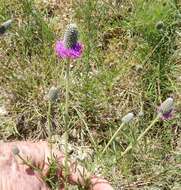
(100, 184)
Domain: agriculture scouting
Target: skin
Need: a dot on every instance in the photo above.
(16, 175)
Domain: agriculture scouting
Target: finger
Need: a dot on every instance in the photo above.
(99, 184)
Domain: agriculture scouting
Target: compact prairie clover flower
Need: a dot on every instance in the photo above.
(69, 47)
(53, 94)
(141, 114)
(166, 109)
(15, 150)
(4, 26)
(159, 25)
(127, 118)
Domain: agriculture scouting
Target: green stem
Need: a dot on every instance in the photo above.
(141, 135)
(112, 138)
(66, 120)
(49, 126)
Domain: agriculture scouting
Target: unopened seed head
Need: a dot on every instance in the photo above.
(127, 118)
(15, 150)
(53, 94)
(5, 26)
(159, 25)
(71, 36)
(166, 106)
(141, 114)
(178, 16)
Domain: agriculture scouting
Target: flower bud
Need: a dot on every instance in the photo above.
(141, 114)
(178, 16)
(5, 26)
(71, 36)
(159, 25)
(166, 107)
(15, 150)
(53, 94)
(127, 118)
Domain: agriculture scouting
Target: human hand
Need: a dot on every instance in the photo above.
(16, 175)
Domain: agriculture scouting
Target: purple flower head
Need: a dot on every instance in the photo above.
(69, 47)
(166, 109)
(64, 52)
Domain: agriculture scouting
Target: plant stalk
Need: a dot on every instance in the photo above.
(141, 135)
(112, 138)
(67, 78)
(49, 127)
